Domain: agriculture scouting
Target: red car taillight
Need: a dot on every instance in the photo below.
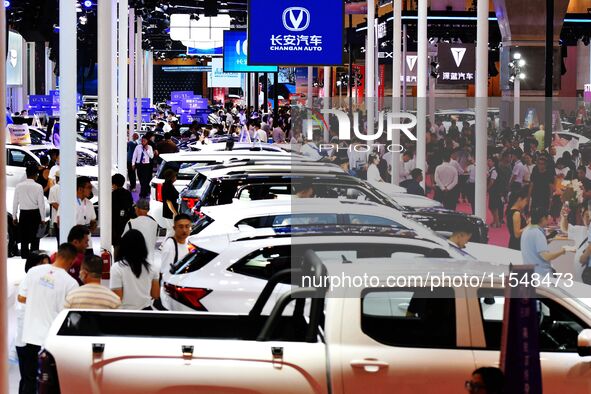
(188, 296)
(159, 192)
(191, 202)
(47, 379)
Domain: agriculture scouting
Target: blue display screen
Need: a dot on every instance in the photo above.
(296, 32)
(235, 54)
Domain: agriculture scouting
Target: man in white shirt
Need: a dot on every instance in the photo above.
(54, 202)
(406, 166)
(142, 162)
(174, 249)
(446, 180)
(85, 214)
(29, 201)
(260, 135)
(43, 292)
(146, 225)
(519, 170)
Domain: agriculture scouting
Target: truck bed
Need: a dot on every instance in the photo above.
(177, 325)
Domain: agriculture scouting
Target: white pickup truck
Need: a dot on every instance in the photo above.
(374, 340)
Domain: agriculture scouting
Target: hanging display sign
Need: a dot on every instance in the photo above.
(217, 78)
(295, 32)
(236, 54)
(457, 63)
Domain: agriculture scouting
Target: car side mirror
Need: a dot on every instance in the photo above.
(584, 343)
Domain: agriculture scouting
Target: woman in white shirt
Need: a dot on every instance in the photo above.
(132, 278)
(373, 173)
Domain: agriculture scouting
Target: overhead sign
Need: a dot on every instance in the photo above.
(295, 32)
(358, 7)
(236, 54)
(457, 63)
(217, 78)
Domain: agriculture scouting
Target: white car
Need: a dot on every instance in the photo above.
(21, 156)
(565, 141)
(82, 144)
(242, 217)
(187, 164)
(224, 275)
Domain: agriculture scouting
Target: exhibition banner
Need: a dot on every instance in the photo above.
(236, 54)
(296, 32)
(217, 78)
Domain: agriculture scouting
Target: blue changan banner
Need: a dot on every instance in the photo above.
(295, 32)
(236, 54)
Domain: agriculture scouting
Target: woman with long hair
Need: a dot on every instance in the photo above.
(516, 222)
(170, 196)
(132, 277)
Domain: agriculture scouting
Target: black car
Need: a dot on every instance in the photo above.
(211, 187)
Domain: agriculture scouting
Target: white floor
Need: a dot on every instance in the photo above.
(16, 273)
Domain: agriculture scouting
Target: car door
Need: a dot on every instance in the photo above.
(404, 340)
(17, 161)
(560, 325)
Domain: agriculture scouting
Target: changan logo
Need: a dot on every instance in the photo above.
(296, 18)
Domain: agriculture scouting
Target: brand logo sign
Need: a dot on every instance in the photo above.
(457, 63)
(296, 18)
(295, 32)
(411, 61)
(236, 54)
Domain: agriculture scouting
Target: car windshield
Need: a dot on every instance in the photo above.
(40, 152)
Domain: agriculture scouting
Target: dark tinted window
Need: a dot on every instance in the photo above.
(192, 262)
(201, 224)
(19, 158)
(559, 328)
(410, 317)
(264, 263)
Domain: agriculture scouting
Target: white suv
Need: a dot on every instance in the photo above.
(220, 277)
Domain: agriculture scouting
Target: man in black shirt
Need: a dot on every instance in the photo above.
(122, 209)
(541, 185)
(413, 185)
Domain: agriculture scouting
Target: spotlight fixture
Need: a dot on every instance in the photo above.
(194, 17)
(517, 56)
(6, 3)
(434, 69)
(83, 19)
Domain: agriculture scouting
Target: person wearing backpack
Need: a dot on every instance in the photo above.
(174, 248)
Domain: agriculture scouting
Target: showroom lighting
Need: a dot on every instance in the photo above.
(83, 19)
(517, 56)
(521, 76)
(6, 3)
(87, 3)
(521, 63)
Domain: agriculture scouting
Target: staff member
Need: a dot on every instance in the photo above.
(142, 162)
(85, 214)
(534, 245)
(28, 196)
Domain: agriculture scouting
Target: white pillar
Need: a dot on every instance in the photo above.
(122, 90)
(516, 100)
(114, 86)
(432, 83)
(48, 70)
(31, 59)
(68, 45)
(370, 66)
(150, 79)
(481, 107)
(310, 91)
(327, 95)
(138, 72)
(422, 59)
(396, 72)
(106, 95)
(131, 81)
(3, 223)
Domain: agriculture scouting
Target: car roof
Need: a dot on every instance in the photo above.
(246, 209)
(255, 241)
(201, 155)
(270, 168)
(30, 147)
